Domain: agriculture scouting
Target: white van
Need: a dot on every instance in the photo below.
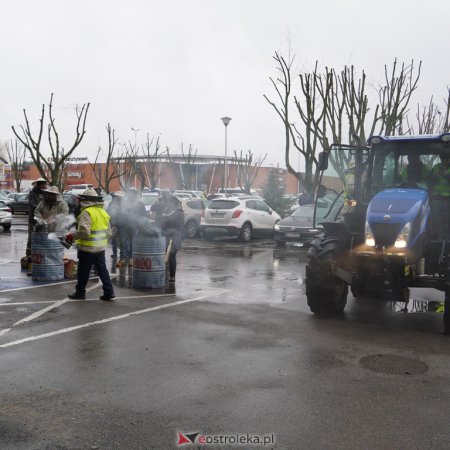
(232, 191)
(79, 188)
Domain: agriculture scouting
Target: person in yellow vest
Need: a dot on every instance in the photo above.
(92, 238)
(416, 173)
(440, 197)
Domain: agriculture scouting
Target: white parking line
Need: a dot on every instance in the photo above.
(40, 285)
(109, 319)
(52, 306)
(46, 302)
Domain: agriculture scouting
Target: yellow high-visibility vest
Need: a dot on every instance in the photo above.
(99, 228)
(441, 179)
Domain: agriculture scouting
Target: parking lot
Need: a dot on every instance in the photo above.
(230, 349)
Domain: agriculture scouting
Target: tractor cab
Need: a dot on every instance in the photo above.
(380, 183)
(387, 222)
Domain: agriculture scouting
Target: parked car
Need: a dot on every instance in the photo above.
(79, 188)
(242, 216)
(184, 193)
(3, 194)
(5, 216)
(299, 226)
(19, 205)
(72, 201)
(13, 195)
(193, 209)
(149, 199)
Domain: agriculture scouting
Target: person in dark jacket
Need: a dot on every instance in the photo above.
(134, 216)
(114, 211)
(157, 210)
(172, 225)
(34, 197)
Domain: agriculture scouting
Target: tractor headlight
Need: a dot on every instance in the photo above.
(370, 241)
(402, 238)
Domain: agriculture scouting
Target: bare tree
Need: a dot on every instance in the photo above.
(16, 154)
(51, 167)
(446, 121)
(306, 146)
(142, 165)
(188, 167)
(394, 97)
(129, 161)
(150, 172)
(334, 108)
(105, 172)
(248, 167)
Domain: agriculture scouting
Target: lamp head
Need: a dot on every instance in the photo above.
(226, 120)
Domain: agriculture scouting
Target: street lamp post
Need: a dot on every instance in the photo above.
(226, 121)
(136, 131)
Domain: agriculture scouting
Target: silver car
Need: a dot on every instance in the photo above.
(193, 209)
(5, 216)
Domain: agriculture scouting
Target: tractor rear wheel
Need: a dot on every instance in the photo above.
(325, 292)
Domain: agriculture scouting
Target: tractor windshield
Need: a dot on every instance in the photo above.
(404, 164)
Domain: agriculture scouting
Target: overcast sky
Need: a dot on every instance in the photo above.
(174, 68)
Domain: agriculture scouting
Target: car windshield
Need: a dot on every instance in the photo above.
(304, 212)
(3, 204)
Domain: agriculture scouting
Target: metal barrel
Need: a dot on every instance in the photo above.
(149, 262)
(47, 258)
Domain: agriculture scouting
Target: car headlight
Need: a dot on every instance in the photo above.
(370, 240)
(277, 226)
(402, 238)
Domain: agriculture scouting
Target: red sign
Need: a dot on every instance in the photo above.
(37, 258)
(142, 263)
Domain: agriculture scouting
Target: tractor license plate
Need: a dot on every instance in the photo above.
(296, 235)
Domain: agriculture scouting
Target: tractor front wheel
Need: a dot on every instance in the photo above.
(325, 292)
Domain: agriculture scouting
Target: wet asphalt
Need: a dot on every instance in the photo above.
(231, 348)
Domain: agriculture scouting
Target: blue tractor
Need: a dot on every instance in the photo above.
(387, 224)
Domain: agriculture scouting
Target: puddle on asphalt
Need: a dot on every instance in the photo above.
(295, 255)
(418, 306)
(220, 279)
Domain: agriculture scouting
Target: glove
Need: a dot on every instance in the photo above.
(39, 221)
(69, 237)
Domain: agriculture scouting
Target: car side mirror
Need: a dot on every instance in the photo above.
(323, 161)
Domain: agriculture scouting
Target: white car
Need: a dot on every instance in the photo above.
(246, 217)
(149, 199)
(5, 216)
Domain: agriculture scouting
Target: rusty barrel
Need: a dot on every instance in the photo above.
(148, 261)
(47, 258)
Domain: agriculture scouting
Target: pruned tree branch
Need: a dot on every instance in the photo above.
(51, 167)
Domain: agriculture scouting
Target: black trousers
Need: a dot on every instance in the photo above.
(85, 262)
(172, 263)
